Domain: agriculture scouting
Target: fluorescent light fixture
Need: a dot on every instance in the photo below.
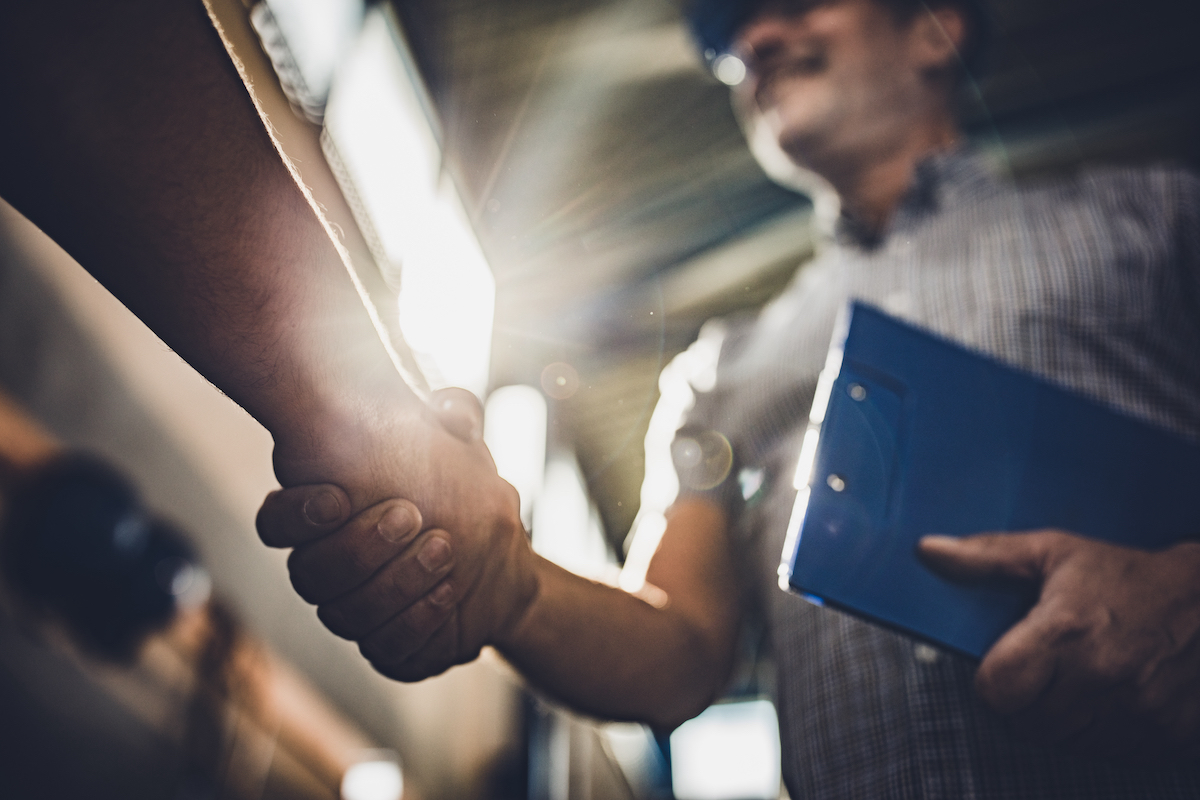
(306, 40)
(566, 527)
(378, 118)
(729, 752)
(514, 429)
(377, 777)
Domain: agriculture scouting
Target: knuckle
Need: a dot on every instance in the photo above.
(299, 583)
(376, 653)
(333, 619)
(300, 578)
(1057, 541)
(997, 685)
(359, 563)
(266, 521)
(468, 654)
(425, 617)
(390, 671)
(394, 642)
(400, 586)
(986, 681)
(1065, 623)
(1109, 667)
(411, 673)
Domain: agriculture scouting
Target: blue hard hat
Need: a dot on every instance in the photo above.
(715, 24)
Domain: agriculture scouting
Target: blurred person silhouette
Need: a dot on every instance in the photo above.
(1091, 281)
(99, 592)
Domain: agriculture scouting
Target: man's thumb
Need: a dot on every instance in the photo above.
(987, 555)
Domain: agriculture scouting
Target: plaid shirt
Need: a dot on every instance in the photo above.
(1092, 282)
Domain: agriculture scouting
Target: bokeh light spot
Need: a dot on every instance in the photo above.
(703, 460)
(560, 380)
(729, 70)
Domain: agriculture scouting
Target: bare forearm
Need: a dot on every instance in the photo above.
(609, 653)
(131, 140)
(614, 654)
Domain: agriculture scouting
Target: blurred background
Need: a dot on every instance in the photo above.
(545, 201)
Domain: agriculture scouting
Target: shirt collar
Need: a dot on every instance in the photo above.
(941, 180)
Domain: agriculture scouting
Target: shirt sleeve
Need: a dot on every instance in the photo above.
(704, 452)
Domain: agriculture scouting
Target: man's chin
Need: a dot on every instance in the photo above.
(798, 131)
(787, 170)
(802, 147)
(777, 145)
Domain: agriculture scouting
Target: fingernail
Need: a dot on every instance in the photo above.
(434, 554)
(396, 524)
(442, 595)
(322, 508)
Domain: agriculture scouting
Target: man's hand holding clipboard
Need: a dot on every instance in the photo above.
(1088, 640)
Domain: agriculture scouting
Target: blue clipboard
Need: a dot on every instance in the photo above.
(911, 434)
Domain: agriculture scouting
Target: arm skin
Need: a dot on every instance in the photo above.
(1108, 661)
(131, 140)
(612, 654)
(659, 657)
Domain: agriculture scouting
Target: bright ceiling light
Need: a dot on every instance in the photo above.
(566, 527)
(514, 429)
(306, 40)
(380, 121)
(729, 752)
(373, 780)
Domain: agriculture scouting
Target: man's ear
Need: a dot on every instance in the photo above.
(938, 34)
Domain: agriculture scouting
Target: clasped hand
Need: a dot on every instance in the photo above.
(418, 599)
(1108, 661)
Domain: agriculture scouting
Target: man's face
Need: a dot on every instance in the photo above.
(832, 78)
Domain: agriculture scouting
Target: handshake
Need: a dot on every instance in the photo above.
(421, 586)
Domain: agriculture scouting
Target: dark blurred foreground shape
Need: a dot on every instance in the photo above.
(121, 677)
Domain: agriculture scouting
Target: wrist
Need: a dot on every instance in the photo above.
(512, 635)
(352, 439)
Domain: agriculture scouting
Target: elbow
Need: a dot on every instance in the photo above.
(697, 685)
(668, 719)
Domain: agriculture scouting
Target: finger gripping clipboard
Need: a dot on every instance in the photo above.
(911, 434)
